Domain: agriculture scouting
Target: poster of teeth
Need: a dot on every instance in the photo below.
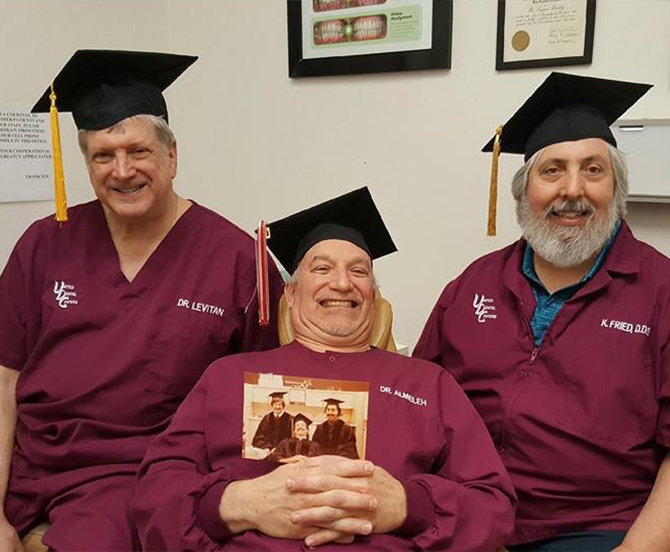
(26, 168)
(336, 28)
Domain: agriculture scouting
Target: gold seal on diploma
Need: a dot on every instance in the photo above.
(520, 41)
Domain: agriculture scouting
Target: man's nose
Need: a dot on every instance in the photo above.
(341, 280)
(573, 184)
(123, 167)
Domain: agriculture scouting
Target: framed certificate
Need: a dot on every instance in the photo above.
(544, 33)
(336, 37)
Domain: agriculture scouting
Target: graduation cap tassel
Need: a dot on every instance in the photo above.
(493, 188)
(262, 282)
(59, 176)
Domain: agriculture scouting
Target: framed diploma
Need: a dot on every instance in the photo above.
(337, 37)
(544, 33)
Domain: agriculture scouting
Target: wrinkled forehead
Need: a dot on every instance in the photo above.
(576, 150)
(336, 251)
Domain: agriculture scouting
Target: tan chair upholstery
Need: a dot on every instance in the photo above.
(32, 542)
(381, 336)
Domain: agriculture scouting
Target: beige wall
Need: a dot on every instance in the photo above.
(254, 143)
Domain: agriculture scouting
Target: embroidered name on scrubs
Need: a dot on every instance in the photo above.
(65, 294)
(201, 307)
(484, 308)
(627, 327)
(418, 401)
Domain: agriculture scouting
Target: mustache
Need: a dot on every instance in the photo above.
(568, 206)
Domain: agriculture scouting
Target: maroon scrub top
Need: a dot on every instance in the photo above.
(420, 427)
(582, 422)
(105, 362)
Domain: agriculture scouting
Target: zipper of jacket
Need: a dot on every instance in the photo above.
(536, 348)
(533, 357)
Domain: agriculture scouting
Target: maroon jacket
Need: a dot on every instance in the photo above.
(582, 422)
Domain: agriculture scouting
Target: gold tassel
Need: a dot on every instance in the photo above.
(493, 188)
(59, 176)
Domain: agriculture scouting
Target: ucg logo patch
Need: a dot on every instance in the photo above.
(484, 308)
(65, 294)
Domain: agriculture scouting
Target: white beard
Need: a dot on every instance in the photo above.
(566, 246)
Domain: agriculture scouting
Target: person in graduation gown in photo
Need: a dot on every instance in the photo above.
(334, 435)
(274, 426)
(573, 380)
(294, 449)
(431, 478)
(110, 314)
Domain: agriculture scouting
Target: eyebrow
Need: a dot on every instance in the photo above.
(558, 160)
(330, 259)
(596, 157)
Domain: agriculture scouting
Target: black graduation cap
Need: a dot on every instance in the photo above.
(330, 401)
(277, 395)
(352, 217)
(566, 108)
(300, 417)
(103, 87)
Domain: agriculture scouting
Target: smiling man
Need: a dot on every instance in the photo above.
(108, 320)
(334, 435)
(431, 478)
(297, 447)
(562, 340)
(275, 426)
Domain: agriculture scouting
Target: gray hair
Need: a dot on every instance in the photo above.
(163, 132)
(619, 171)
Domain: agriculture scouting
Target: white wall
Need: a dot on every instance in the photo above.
(253, 143)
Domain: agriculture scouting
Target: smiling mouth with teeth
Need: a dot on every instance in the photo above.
(571, 210)
(129, 190)
(570, 214)
(339, 303)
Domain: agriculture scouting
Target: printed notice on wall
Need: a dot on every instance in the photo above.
(26, 167)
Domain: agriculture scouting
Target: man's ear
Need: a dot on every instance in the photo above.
(172, 155)
(289, 294)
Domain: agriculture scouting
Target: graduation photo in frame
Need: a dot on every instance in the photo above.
(338, 37)
(544, 33)
(287, 418)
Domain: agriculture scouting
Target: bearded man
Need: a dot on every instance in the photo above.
(334, 435)
(562, 339)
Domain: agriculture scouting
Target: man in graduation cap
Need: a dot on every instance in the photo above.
(562, 340)
(275, 425)
(431, 478)
(107, 320)
(334, 435)
(297, 447)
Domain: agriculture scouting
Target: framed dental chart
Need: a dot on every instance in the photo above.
(336, 37)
